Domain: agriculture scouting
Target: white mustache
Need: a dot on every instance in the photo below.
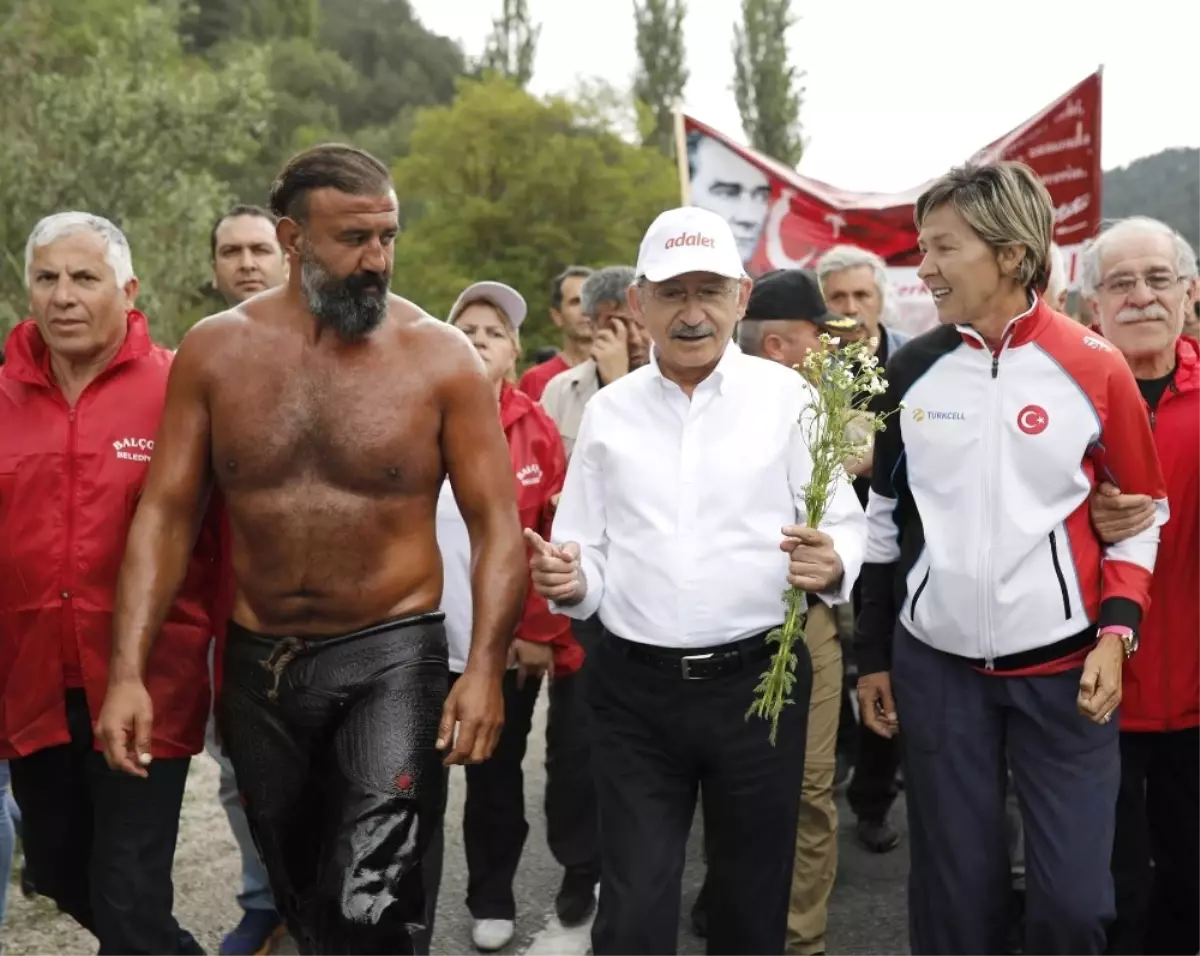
(1125, 316)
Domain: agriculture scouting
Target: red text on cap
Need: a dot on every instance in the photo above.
(689, 239)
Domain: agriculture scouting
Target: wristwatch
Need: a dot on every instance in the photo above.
(1128, 636)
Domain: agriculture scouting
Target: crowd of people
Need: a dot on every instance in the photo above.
(339, 544)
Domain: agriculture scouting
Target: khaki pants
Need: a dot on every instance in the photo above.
(816, 836)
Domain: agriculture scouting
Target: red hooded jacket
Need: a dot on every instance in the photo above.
(69, 483)
(1161, 684)
(539, 467)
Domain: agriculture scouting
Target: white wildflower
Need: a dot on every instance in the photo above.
(837, 428)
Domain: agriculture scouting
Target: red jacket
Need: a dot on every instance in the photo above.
(535, 380)
(69, 483)
(1161, 685)
(539, 467)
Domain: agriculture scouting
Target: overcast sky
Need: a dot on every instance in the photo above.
(898, 92)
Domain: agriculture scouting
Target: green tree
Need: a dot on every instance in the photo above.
(206, 24)
(512, 45)
(400, 65)
(371, 66)
(131, 130)
(767, 88)
(662, 72)
(306, 84)
(504, 185)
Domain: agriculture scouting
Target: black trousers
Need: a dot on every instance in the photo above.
(333, 744)
(101, 843)
(657, 740)
(571, 820)
(873, 788)
(494, 824)
(1156, 853)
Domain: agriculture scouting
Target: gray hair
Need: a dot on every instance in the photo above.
(1056, 285)
(61, 224)
(1093, 252)
(750, 337)
(609, 284)
(841, 258)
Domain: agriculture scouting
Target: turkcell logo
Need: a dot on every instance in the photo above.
(921, 415)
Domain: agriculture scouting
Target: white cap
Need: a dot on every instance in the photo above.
(505, 296)
(688, 239)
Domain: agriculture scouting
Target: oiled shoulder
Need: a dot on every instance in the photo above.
(439, 350)
(200, 352)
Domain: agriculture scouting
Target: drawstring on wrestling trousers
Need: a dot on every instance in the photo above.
(286, 651)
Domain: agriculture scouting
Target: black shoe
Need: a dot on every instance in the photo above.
(576, 899)
(188, 945)
(28, 890)
(700, 916)
(877, 835)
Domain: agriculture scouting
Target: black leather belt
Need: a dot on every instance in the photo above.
(696, 663)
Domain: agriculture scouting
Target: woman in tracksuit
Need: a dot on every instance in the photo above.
(991, 609)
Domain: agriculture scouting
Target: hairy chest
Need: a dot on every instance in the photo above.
(356, 427)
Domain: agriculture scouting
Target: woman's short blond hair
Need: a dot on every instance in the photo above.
(506, 320)
(1007, 205)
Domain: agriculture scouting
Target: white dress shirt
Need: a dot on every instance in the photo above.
(455, 545)
(678, 505)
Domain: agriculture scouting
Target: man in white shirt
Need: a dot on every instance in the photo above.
(686, 475)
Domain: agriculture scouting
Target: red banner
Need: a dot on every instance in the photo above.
(782, 219)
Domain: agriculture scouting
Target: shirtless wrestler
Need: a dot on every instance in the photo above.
(327, 413)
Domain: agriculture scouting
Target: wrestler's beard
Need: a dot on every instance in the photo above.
(349, 306)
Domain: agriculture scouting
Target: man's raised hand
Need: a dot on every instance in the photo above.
(555, 569)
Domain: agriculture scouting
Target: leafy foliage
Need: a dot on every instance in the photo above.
(129, 129)
(662, 67)
(1165, 186)
(511, 48)
(503, 185)
(766, 86)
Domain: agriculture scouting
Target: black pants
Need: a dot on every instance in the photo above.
(494, 824)
(1158, 821)
(571, 822)
(333, 744)
(657, 739)
(99, 842)
(873, 788)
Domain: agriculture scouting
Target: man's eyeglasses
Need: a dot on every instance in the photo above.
(1155, 282)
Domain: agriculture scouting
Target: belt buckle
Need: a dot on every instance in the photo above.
(685, 665)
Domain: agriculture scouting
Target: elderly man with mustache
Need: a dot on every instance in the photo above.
(679, 526)
(1139, 277)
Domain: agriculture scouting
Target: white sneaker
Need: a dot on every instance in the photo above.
(489, 935)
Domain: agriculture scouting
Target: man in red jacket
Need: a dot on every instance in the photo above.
(80, 398)
(1139, 277)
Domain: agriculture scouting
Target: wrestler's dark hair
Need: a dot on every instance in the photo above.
(329, 166)
(241, 209)
(570, 272)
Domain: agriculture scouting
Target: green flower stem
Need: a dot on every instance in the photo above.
(843, 380)
(778, 681)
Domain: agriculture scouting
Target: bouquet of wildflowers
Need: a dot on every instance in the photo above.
(837, 428)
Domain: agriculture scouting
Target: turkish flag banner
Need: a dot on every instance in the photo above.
(782, 219)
